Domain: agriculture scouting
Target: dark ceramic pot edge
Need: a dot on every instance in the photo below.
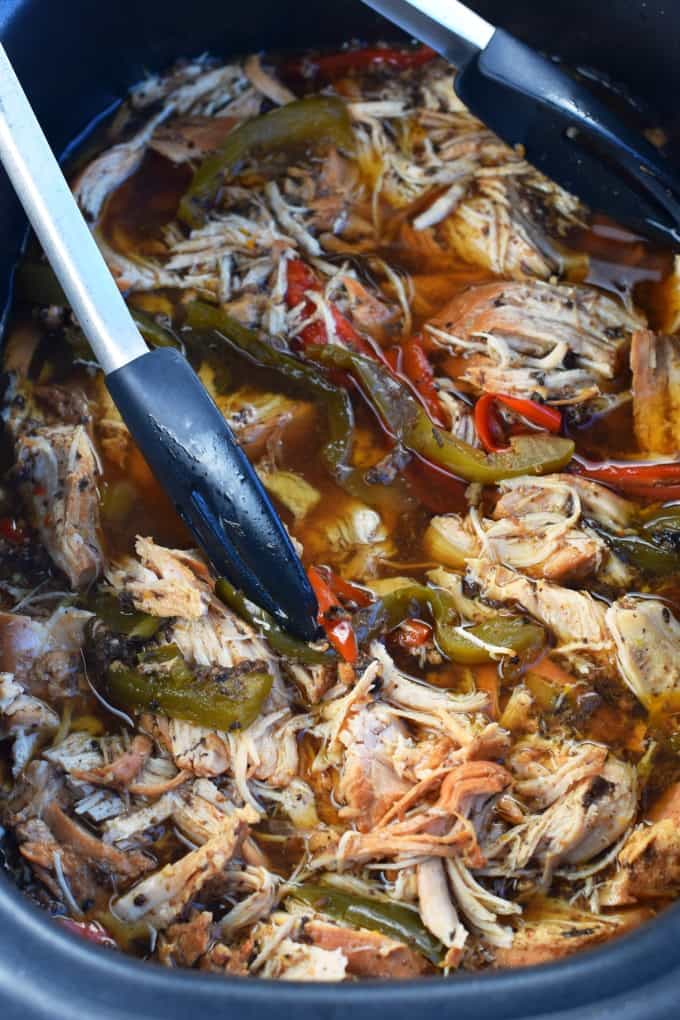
(42, 968)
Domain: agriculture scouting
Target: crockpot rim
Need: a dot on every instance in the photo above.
(644, 954)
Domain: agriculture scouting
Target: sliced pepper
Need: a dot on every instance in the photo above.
(414, 633)
(314, 120)
(337, 626)
(410, 425)
(653, 547)
(337, 450)
(331, 65)
(489, 428)
(275, 637)
(12, 531)
(418, 370)
(36, 283)
(220, 699)
(302, 280)
(466, 646)
(392, 919)
(651, 480)
(106, 606)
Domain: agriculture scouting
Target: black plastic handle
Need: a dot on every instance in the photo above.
(195, 457)
(571, 136)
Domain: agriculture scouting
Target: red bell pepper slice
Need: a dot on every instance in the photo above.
(347, 590)
(301, 280)
(91, 931)
(488, 424)
(418, 370)
(649, 480)
(414, 633)
(333, 65)
(11, 531)
(338, 628)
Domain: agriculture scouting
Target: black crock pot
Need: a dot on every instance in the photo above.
(76, 58)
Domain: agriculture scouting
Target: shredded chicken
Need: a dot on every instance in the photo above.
(382, 803)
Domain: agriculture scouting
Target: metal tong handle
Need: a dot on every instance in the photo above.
(65, 236)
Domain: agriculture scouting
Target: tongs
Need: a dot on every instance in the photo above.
(564, 131)
(173, 420)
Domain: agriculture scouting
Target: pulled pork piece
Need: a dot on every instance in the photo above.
(495, 227)
(59, 470)
(518, 338)
(575, 618)
(186, 139)
(368, 953)
(163, 582)
(648, 866)
(194, 749)
(590, 806)
(262, 421)
(161, 898)
(554, 938)
(25, 719)
(539, 543)
(368, 782)
(44, 655)
(437, 910)
(120, 772)
(647, 638)
(655, 363)
(349, 536)
(105, 173)
(183, 944)
(74, 864)
(438, 829)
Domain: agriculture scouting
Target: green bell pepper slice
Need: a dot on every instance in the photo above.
(275, 636)
(391, 919)
(410, 425)
(221, 699)
(315, 120)
(459, 645)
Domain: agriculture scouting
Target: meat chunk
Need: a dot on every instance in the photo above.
(554, 938)
(72, 862)
(590, 814)
(263, 420)
(536, 338)
(61, 471)
(368, 782)
(194, 749)
(648, 866)
(105, 173)
(436, 829)
(496, 227)
(120, 772)
(23, 718)
(437, 910)
(368, 953)
(44, 655)
(531, 319)
(184, 943)
(647, 638)
(576, 619)
(540, 544)
(186, 139)
(161, 898)
(655, 363)
(163, 582)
